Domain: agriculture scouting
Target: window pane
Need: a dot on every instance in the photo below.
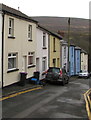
(11, 63)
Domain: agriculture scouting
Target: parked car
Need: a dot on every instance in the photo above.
(84, 74)
(55, 74)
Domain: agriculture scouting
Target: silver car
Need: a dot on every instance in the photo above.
(84, 74)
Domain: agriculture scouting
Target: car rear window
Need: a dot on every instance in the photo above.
(55, 70)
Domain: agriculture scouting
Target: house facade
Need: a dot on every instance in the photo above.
(42, 51)
(64, 54)
(71, 60)
(77, 60)
(54, 50)
(19, 45)
(84, 61)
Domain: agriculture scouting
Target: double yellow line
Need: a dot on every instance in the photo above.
(15, 94)
(88, 102)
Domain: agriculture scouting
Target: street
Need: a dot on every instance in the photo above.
(52, 101)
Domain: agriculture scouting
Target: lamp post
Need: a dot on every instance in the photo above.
(68, 44)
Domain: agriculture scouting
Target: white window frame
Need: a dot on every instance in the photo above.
(29, 32)
(11, 27)
(31, 54)
(12, 56)
(44, 59)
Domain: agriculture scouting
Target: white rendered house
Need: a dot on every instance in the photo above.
(64, 54)
(41, 51)
(84, 61)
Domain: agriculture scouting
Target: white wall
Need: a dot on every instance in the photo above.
(64, 60)
(21, 45)
(40, 52)
(84, 62)
(0, 49)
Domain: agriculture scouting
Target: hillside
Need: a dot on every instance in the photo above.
(79, 29)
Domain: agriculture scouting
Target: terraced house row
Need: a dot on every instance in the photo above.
(25, 46)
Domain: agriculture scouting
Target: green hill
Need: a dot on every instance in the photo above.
(79, 29)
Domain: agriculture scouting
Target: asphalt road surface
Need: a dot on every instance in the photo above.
(52, 101)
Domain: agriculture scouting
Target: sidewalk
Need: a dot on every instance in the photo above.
(15, 88)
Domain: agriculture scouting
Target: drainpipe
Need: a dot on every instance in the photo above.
(2, 45)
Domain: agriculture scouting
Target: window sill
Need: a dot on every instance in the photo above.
(11, 37)
(44, 48)
(30, 40)
(31, 66)
(13, 70)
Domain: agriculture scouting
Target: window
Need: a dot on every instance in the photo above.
(54, 45)
(44, 63)
(64, 52)
(11, 27)
(12, 61)
(30, 58)
(30, 32)
(44, 39)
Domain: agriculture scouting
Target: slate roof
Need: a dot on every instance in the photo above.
(8, 10)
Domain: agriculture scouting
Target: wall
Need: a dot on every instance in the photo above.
(71, 60)
(21, 45)
(77, 62)
(54, 55)
(40, 52)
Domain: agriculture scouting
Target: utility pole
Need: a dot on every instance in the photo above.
(68, 44)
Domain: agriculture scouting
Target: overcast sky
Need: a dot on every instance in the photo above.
(60, 8)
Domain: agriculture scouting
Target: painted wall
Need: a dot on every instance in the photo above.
(64, 56)
(71, 60)
(54, 55)
(41, 52)
(0, 49)
(20, 45)
(84, 61)
(77, 61)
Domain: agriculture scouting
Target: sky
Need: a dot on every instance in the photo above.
(59, 8)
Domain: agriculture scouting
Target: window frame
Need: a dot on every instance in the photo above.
(31, 54)
(29, 32)
(13, 56)
(11, 27)
(44, 40)
(44, 59)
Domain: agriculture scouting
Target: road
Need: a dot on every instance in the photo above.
(52, 101)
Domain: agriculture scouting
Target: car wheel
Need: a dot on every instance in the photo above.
(63, 82)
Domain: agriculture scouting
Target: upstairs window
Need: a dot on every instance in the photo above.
(30, 32)
(11, 27)
(44, 39)
(54, 47)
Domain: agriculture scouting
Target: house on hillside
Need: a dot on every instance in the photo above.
(19, 45)
(42, 50)
(64, 55)
(84, 60)
(77, 60)
(71, 60)
(54, 50)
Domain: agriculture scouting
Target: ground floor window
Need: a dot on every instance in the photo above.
(44, 64)
(12, 61)
(30, 58)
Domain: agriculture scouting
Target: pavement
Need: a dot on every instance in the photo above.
(15, 88)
